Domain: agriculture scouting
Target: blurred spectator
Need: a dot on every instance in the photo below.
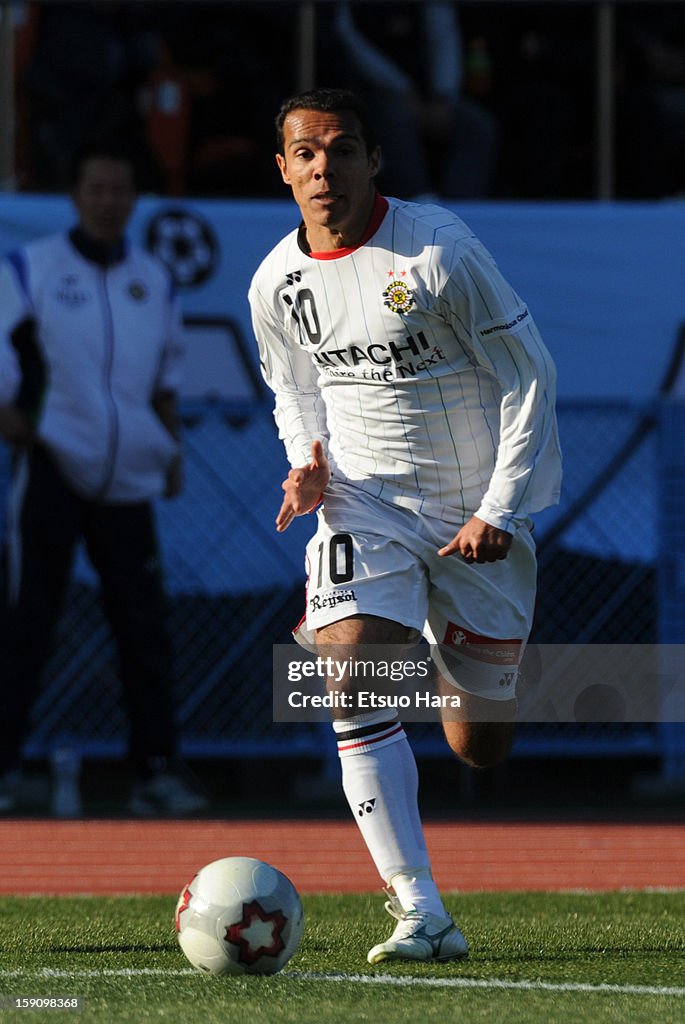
(222, 72)
(407, 60)
(542, 83)
(475, 100)
(91, 349)
(650, 133)
(164, 101)
(25, 25)
(88, 61)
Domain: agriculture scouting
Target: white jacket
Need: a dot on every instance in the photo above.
(110, 338)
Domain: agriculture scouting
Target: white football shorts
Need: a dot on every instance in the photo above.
(370, 557)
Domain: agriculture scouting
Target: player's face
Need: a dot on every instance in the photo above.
(326, 164)
(104, 198)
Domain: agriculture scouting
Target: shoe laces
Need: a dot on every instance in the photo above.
(396, 910)
(410, 924)
(393, 906)
(410, 921)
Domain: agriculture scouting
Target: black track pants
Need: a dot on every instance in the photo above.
(46, 519)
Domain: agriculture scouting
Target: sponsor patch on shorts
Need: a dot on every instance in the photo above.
(330, 599)
(482, 648)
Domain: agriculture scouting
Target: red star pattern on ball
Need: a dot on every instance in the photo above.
(253, 914)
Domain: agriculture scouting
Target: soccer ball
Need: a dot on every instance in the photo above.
(239, 915)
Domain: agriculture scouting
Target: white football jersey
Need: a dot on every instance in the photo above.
(416, 364)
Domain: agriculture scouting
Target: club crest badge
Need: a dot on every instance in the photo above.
(398, 297)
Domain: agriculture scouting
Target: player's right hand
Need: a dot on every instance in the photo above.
(304, 488)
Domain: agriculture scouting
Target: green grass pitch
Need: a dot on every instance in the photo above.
(535, 957)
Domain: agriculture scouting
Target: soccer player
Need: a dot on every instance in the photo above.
(415, 399)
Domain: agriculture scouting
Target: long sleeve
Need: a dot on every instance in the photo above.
(9, 372)
(171, 365)
(502, 338)
(14, 310)
(299, 410)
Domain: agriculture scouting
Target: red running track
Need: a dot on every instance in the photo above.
(328, 856)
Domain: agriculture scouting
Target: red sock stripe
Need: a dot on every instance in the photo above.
(367, 741)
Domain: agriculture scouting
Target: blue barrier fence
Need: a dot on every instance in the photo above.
(236, 588)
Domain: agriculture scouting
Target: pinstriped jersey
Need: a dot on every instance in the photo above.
(416, 364)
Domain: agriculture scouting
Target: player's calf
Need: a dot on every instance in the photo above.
(480, 731)
(480, 744)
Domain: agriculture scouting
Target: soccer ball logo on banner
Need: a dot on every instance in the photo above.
(186, 245)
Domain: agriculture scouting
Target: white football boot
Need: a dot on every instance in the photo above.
(419, 936)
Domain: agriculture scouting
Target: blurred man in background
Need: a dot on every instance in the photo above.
(90, 352)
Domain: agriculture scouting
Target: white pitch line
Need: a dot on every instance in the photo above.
(103, 972)
(491, 983)
(401, 981)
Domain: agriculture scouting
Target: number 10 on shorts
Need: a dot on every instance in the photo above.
(336, 555)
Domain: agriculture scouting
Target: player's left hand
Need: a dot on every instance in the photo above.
(477, 541)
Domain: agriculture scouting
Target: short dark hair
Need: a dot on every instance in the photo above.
(331, 101)
(107, 149)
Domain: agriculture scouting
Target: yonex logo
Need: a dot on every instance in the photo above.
(293, 278)
(366, 807)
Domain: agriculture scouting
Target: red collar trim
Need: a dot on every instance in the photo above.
(380, 208)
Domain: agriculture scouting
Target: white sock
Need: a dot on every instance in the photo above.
(380, 781)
